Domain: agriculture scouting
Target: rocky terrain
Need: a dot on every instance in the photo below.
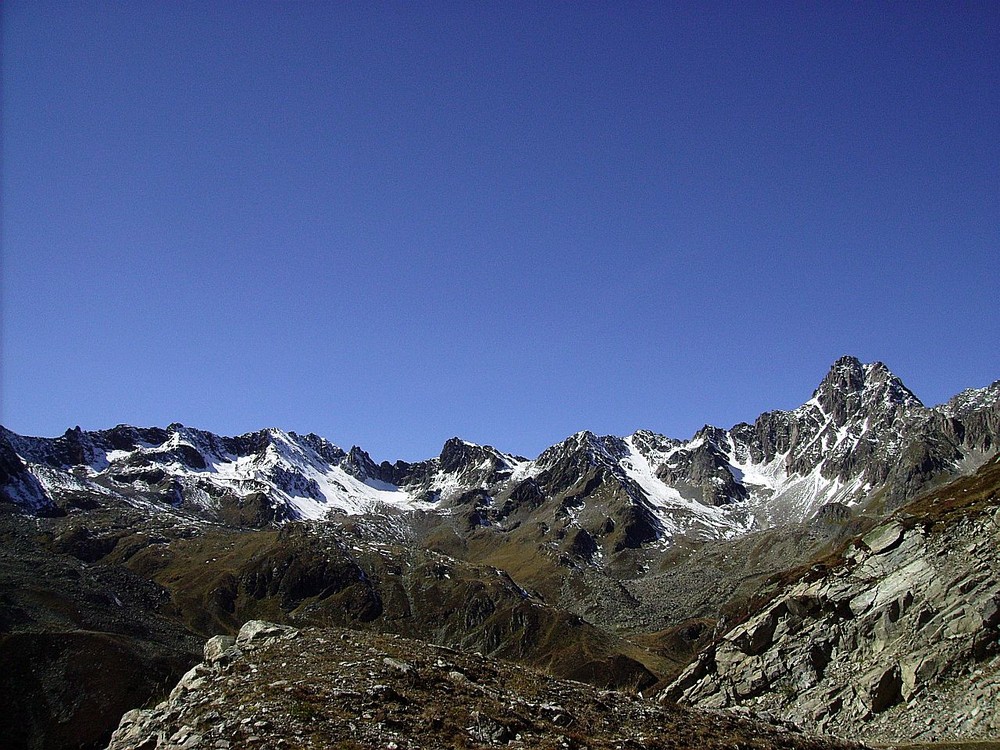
(79, 643)
(743, 556)
(275, 686)
(101, 615)
(897, 635)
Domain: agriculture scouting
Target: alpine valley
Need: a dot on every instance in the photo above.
(836, 566)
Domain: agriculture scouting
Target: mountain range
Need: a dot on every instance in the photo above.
(620, 561)
(862, 437)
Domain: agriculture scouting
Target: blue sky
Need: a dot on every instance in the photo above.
(391, 223)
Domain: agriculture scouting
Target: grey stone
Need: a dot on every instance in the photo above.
(750, 679)
(863, 602)
(217, 646)
(884, 688)
(757, 634)
(883, 538)
(397, 666)
(990, 612)
(192, 680)
(259, 631)
(967, 623)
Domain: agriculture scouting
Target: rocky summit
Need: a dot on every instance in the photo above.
(831, 567)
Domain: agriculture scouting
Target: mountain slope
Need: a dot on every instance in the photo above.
(896, 636)
(606, 559)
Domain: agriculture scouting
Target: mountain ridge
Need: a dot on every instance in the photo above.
(896, 633)
(854, 437)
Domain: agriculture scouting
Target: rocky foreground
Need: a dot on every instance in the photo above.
(279, 687)
(897, 636)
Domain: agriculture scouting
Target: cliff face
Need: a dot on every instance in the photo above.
(897, 637)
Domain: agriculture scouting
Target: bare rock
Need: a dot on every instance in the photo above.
(217, 646)
(884, 688)
(883, 538)
(260, 631)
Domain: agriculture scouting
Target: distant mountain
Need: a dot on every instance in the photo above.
(863, 437)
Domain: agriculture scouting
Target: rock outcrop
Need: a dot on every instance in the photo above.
(897, 638)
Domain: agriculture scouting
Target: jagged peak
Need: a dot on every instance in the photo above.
(846, 374)
(605, 449)
(358, 453)
(588, 437)
(848, 377)
(457, 454)
(971, 399)
(585, 439)
(580, 437)
(648, 440)
(358, 463)
(711, 434)
(323, 447)
(847, 361)
(456, 443)
(646, 434)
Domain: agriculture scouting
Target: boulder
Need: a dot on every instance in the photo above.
(964, 623)
(193, 679)
(217, 646)
(750, 679)
(756, 635)
(862, 602)
(257, 632)
(990, 612)
(918, 672)
(883, 538)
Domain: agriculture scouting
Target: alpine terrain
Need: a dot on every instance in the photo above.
(834, 567)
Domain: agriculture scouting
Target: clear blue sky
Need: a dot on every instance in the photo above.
(391, 223)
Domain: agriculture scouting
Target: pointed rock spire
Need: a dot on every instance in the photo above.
(851, 386)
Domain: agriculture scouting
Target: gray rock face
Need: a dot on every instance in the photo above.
(18, 485)
(159, 727)
(884, 537)
(900, 640)
(217, 647)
